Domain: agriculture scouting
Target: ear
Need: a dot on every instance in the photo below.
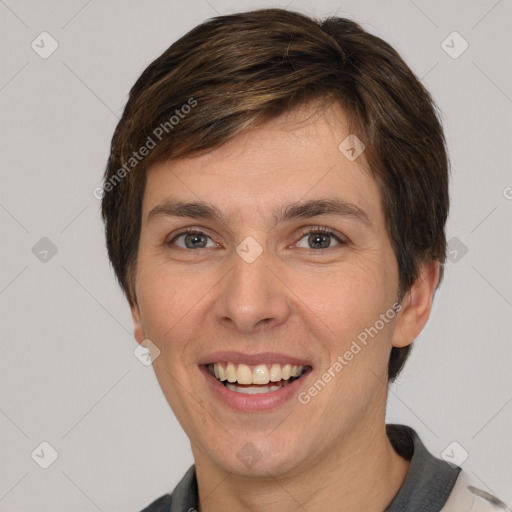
(416, 305)
(138, 330)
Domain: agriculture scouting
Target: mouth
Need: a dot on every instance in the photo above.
(256, 379)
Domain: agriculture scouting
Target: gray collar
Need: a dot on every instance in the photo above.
(429, 481)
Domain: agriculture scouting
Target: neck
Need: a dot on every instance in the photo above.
(364, 473)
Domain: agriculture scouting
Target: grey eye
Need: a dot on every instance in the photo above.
(318, 240)
(193, 240)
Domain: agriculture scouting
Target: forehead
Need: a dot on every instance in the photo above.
(297, 157)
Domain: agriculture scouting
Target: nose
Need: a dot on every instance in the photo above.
(252, 296)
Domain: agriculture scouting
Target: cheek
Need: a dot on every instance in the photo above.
(167, 299)
(351, 304)
(347, 296)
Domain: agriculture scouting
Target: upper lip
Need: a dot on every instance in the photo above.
(253, 359)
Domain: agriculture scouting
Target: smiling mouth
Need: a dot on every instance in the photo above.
(256, 379)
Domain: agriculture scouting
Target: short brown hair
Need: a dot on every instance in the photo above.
(234, 72)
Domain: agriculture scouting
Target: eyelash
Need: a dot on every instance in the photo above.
(307, 231)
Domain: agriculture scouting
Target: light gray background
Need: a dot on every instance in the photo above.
(68, 373)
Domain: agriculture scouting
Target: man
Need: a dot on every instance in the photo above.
(275, 203)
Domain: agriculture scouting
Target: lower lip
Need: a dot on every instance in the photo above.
(252, 403)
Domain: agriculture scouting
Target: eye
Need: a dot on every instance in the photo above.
(320, 238)
(192, 239)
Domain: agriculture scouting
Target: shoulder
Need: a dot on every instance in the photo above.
(162, 504)
(184, 497)
(468, 496)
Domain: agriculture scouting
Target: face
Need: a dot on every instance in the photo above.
(263, 281)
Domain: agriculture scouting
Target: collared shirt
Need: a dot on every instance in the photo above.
(431, 484)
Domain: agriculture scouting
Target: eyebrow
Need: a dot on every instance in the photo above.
(306, 209)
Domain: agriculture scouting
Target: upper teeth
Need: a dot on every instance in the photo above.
(259, 374)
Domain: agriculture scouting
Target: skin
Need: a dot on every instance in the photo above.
(333, 452)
